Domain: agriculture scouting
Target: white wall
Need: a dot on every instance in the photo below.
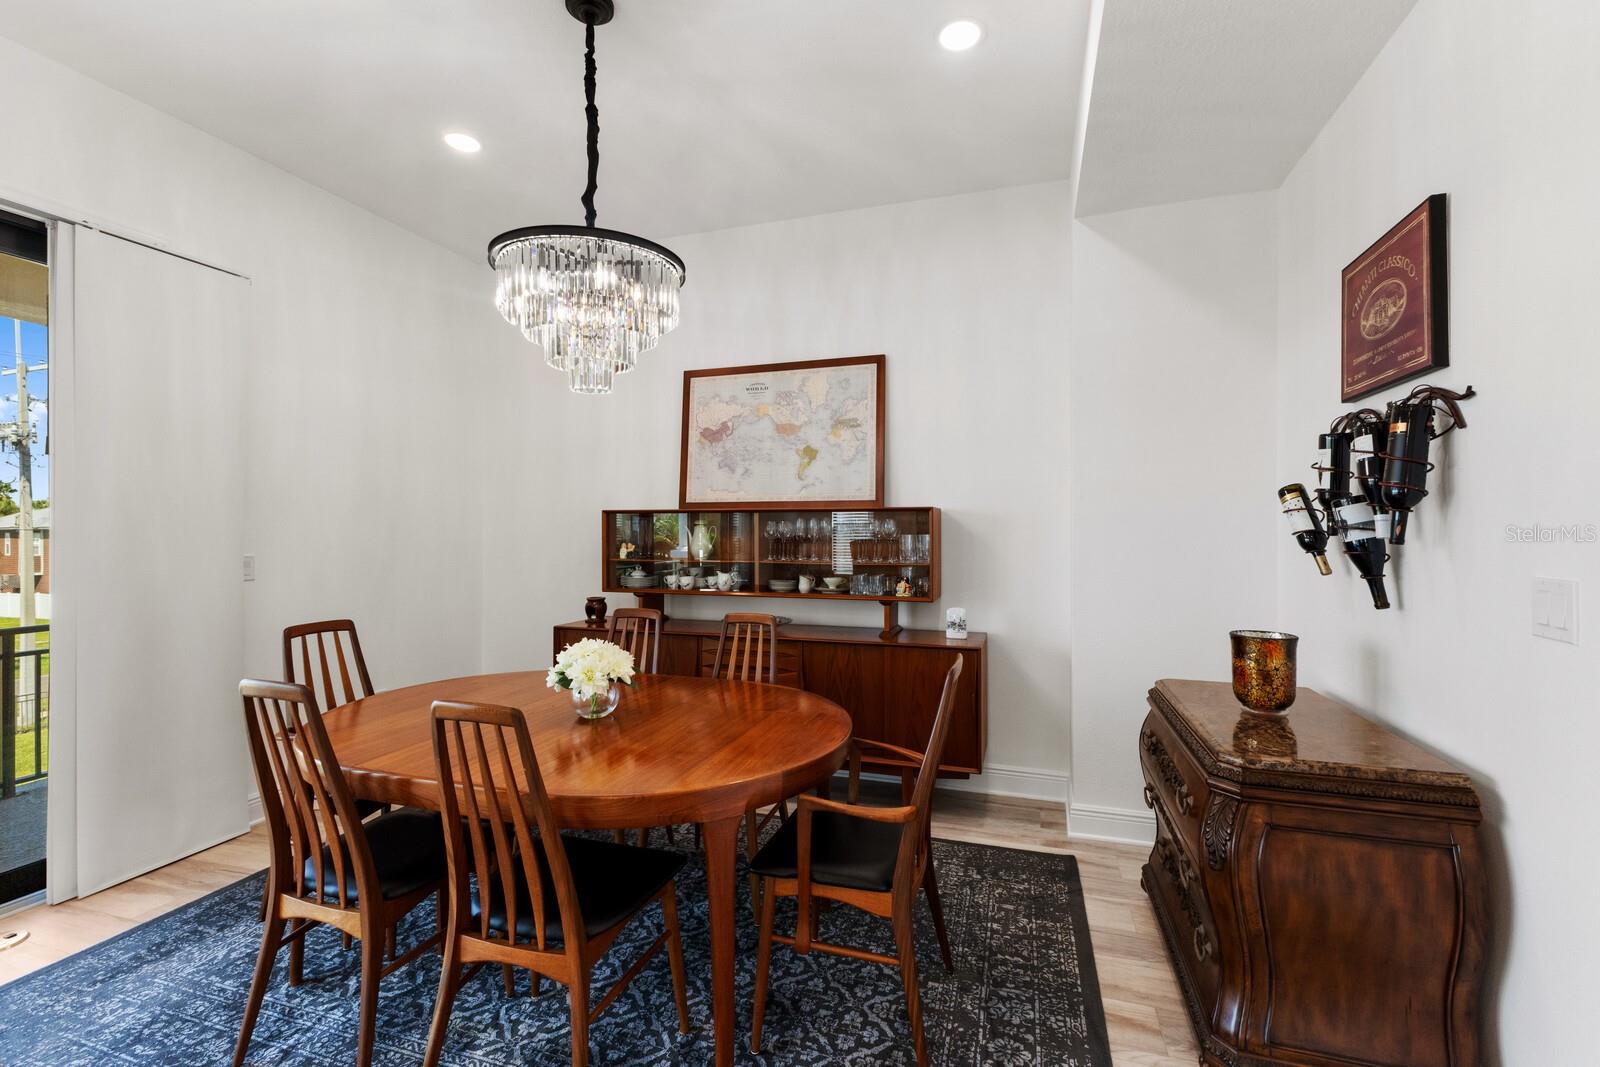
(1172, 390)
(366, 350)
(968, 298)
(1495, 105)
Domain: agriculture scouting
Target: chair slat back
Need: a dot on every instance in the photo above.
(639, 631)
(496, 815)
(747, 650)
(928, 773)
(304, 796)
(316, 652)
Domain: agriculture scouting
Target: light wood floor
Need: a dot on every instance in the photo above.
(1144, 1012)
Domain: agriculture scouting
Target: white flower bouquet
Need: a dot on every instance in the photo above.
(590, 670)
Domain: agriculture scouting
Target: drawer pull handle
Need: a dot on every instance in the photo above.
(1186, 870)
(1170, 775)
(1202, 944)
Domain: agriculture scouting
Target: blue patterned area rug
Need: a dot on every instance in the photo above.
(172, 991)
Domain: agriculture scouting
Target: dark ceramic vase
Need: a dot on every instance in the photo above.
(1264, 670)
(594, 609)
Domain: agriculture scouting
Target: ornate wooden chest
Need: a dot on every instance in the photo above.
(1318, 881)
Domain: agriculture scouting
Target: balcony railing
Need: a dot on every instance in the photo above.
(24, 706)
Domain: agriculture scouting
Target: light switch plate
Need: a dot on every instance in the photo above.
(249, 568)
(1555, 609)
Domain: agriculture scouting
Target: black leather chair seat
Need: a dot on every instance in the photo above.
(612, 881)
(365, 809)
(846, 852)
(407, 851)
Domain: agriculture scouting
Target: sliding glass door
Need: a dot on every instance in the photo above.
(25, 529)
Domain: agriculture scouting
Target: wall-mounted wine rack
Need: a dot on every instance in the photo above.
(1372, 472)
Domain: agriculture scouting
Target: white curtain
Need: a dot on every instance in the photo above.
(148, 588)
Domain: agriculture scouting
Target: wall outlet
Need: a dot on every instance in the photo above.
(249, 568)
(1555, 609)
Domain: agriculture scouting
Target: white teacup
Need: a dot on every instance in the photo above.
(724, 580)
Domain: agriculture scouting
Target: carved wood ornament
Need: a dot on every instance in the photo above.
(1217, 830)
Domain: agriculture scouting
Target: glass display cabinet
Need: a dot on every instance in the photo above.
(887, 555)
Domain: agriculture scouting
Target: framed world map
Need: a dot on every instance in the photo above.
(784, 435)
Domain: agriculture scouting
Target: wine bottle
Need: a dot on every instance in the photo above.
(1303, 521)
(1368, 474)
(1405, 472)
(1366, 450)
(1362, 545)
(1327, 467)
(1371, 435)
(1333, 466)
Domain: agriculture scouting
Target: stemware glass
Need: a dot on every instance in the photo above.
(785, 532)
(814, 539)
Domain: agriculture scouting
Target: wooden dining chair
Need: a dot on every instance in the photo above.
(872, 858)
(747, 649)
(331, 638)
(535, 899)
(327, 866)
(639, 631)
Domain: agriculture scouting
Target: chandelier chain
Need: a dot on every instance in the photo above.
(593, 114)
(593, 299)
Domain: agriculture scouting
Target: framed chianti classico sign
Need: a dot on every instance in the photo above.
(1394, 321)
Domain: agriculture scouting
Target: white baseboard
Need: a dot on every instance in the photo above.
(1028, 783)
(1096, 823)
(253, 808)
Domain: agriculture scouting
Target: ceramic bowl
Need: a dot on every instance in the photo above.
(835, 583)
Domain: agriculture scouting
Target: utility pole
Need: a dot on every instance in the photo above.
(24, 488)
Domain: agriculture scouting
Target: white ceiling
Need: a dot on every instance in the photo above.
(713, 113)
(1195, 99)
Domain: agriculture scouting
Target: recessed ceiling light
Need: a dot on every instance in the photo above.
(960, 35)
(462, 142)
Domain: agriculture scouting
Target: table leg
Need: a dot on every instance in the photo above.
(722, 845)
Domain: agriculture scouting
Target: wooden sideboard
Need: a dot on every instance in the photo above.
(1319, 883)
(890, 685)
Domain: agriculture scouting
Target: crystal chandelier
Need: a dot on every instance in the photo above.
(593, 299)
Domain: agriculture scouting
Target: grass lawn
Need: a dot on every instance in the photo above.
(24, 752)
(40, 640)
(24, 755)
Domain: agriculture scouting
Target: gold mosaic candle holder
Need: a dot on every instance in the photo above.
(1264, 670)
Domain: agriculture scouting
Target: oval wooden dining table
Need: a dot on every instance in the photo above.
(676, 750)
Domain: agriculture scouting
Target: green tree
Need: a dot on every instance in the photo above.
(8, 499)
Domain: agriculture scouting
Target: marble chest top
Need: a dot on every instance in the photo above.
(1318, 744)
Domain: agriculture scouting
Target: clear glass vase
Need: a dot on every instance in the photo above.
(598, 706)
